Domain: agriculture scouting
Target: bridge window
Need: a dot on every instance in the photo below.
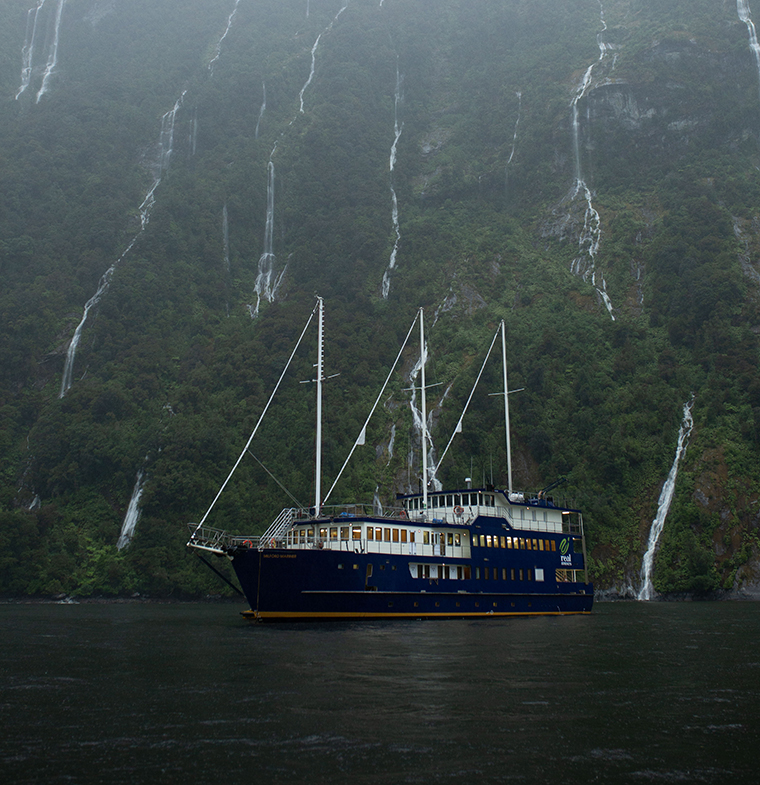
(457, 538)
(426, 538)
(356, 532)
(387, 535)
(395, 535)
(344, 532)
(333, 532)
(370, 533)
(449, 500)
(403, 535)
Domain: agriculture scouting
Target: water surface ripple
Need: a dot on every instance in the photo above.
(148, 693)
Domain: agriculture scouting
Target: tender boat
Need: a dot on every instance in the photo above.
(470, 552)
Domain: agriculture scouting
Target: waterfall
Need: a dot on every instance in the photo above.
(261, 111)
(193, 136)
(263, 286)
(314, 56)
(590, 238)
(417, 420)
(226, 238)
(398, 128)
(133, 513)
(514, 143)
(745, 14)
(53, 52)
(218, 50)
(377, 505)
(27, 52)
(663, 505)
(159, 166)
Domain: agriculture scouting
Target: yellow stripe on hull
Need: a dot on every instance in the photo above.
(295, 615)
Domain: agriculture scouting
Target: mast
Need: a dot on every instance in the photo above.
(320, 350)
(506, 405)
(423, 405)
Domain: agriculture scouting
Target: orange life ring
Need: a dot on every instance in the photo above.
(402, 514)
(248, 543)
(272, 543)
(458, 510)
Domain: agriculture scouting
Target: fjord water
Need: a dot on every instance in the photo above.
(149, 693)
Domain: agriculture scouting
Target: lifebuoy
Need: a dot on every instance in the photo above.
(248, 543)
(458, 510)
(402, 514)
(272, 543)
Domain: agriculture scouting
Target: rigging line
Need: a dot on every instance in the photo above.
(289, 494)
(362, 433)
(228, 582)
(464, 411)
(250, 438)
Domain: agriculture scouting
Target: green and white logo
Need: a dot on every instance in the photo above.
(564, 546)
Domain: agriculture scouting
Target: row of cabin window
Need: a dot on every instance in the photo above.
(454, 500)
(464, 572)
(517, 543)
(381, 534)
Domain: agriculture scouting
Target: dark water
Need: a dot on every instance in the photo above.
(137, 693)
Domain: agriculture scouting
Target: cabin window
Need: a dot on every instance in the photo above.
(474, 540)
(459, 573)
(539, 574)
(449, 500)
(426, 538)
(411, 537)
(533, 515)
(509, 542)
(403, 535)
(370, 533)
(522, 513)
(496, 573)
(482, 541)
(512, 574)
(395, 535)
(344, 532)
(449, 538)
(477, 573)
(387, 535)
(356, 532)
(504, 573)
(503, 542)
(340, 566)
(302, 535)
(310, 535)
(467, 571)
(457, 500)
(522, 544)
(378, 534)
(521, 575)
(485, 573)
(545, 518)
(527, 544)
(457, 539)
(540, 545)
(554, 545)
(530, 575)
(535, 545)
(413, 570)
(333, 532)
(488, 540)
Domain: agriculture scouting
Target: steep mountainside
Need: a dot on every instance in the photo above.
(181, 177)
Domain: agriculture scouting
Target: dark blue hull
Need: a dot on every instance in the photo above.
(284, 584)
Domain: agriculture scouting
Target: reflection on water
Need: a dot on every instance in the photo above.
(138, 693)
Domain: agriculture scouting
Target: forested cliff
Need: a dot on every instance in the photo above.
(180, 178)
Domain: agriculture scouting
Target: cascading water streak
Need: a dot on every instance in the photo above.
(263, 286)
(218, 50)
(52, 61)
(588, 243)
(27, 52)
(663, 505)
(133, 513)
(314, 56)
(745, 15)
(158, 168)
(262, 110)
(398, 127)
(226, 238)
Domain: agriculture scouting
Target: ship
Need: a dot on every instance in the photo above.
(470, 552)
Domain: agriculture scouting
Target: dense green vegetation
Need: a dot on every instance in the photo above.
(172, 373)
